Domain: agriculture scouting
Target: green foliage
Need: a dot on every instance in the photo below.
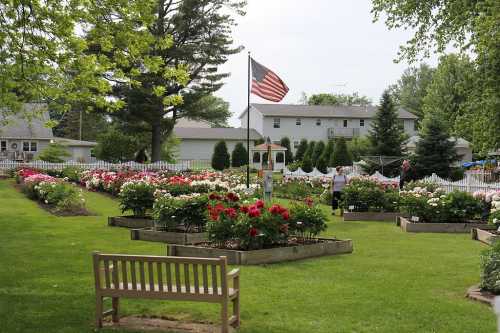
(435, 152)
(220, 157)
(338, 99)
(359, 146)
(72, 173)
(209, 108)
(170, 150)
(341, 155)
(93, 124)
(137, 196)
(387, 136)
(65, 198)
(490, 269)
(367, 195)
(239, 157)
(319, 147)
(307, 220)
(307, 164)
(54, 153)
(173, 213)
(325, 156)
(285, 142)
(301, 150)
(411, 88)
(115, 146)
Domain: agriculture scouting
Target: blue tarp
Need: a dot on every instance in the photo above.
(482, 162)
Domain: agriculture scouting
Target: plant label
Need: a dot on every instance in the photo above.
(415, 218)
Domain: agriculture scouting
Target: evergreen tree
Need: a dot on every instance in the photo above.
(341, 155)
(239, 156)
(115, 146)
(310, 150)
(54, 153)
(299, 155)
(435, 152)
(387, 134)
(307, 164)
(220, 157)
(324, 159)
(318, 150)
(285, 142)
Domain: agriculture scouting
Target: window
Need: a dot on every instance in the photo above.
(33, 146)
(298, 121)
(415, 126)
(361, 123)
(277, 123)
(280, 157)
(345, 122)
(256, 158)
(296, 144)
(3, 145)
(318, 122)
(26, 146)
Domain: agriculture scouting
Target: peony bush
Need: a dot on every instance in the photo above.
(367, 194)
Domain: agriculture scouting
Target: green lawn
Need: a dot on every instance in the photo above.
(393, 282)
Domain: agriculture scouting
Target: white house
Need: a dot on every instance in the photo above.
(197, 143)
(316, 122)
(23, 136)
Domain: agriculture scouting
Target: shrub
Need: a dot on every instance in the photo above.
(307, 164)
(294, 166)
(137, 196)
(307, 220)
(490, 269)
(301, 150)
(64, 197)
(184, 211)
(239, 156)
(220, 157)
(54, 153)
(72, 173)
(367, 194)
(115, 146)
(461, 206)
(285, 142)
(340, 156)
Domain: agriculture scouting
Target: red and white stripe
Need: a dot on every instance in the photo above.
(271, 88)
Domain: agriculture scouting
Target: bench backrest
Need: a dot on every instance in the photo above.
(160, 275)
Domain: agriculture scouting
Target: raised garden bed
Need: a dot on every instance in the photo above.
(487, 234)
(464, 227)
(130, 222)
(476, 294)
(371, 216)
(321, 247)
(162, 236)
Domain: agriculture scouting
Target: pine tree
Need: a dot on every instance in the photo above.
(341, 155)
(220, 157)
(310, 150)
(307, 164)
(435, 152)
(387, 134)
(285, 142)
(318, 150)
(239, 156)
(324, 159)
(299, 155)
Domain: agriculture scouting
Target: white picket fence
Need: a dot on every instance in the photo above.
(101, 165)
(468, 184)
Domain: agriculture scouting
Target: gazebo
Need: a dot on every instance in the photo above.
(259, 157)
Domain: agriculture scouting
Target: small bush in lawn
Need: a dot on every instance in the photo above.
(369, 195)
(490, 269)
(220, 157)
(307, 220)
(137, 196)
(64, 197)
(239, 156)
(54, 153)
(72, 173)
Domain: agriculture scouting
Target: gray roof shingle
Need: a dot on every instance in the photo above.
(322, 111)
(215, 133)
(29, 123)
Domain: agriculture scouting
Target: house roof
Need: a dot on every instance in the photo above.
(28, 123)
(75, 143)
(460, 143)
(188, 122)
(215, 133)
(322, 111)
(264, 147)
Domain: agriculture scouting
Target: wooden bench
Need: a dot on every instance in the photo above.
(166, 278)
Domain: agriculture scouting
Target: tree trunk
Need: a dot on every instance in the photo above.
(156, 143)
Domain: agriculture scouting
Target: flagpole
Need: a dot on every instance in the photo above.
(248, 122)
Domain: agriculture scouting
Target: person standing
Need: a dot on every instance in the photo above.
(339, 181)
(405, 169)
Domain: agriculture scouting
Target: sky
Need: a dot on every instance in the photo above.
(315, 46)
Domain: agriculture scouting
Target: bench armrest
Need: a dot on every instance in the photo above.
(234, 273)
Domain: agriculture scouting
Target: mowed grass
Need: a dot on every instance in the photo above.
(393, 282)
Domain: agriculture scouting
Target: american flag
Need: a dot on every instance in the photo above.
(266, 84)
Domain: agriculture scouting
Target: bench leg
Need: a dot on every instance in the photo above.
(236, 311)
(98, 312)
(224, 316)
(115, 301)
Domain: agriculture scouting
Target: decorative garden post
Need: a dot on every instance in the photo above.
(268, 174)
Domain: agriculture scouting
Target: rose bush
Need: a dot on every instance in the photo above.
(367, 194)
(184, 212)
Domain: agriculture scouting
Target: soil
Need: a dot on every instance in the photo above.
(161, 324)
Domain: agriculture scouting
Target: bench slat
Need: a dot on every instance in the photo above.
(177, 276)
(169, 276)
(141, 275)
(195, 279)
(205, 278)
(115, 274)
(106, 274)
(160, 276)
(180, 260)
(214, 277)
(186, 277)
(123, 263)
(151, 276)
(132, 275)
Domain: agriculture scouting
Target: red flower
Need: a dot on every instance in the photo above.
(284, 228)
(244, 209)
(309, 202)
(219, 207)
(232, 197)
(259, 204)
(231, 212)
(214, 196)
(253, 212)
(285, 215)
(252, 232)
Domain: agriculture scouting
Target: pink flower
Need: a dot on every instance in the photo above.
(259, 203)
(253, 212)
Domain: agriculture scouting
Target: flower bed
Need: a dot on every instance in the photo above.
(487, 234)
(489, 286)
(441, 227)
(299, 188)
(54, 194)
(371, 216)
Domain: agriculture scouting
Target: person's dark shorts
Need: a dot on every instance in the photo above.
(336, 198)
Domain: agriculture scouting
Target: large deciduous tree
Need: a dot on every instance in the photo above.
(338, 99)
